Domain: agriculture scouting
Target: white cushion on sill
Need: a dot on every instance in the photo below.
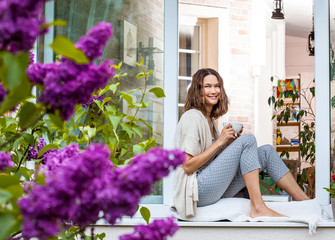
(238, 210)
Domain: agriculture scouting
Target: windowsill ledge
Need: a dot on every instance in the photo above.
(224, 224)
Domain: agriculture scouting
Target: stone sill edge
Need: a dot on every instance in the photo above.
(133, 222)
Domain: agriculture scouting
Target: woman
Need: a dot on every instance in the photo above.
(219, 165)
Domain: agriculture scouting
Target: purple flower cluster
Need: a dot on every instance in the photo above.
(94, 42)
(157, 230)
(79, 185)
(31, 57)
(20, 24)
(94, 109)
(91, 101)
(67, 83)
(33, 154)
(3, 93)
(130, 183)
(5, 161)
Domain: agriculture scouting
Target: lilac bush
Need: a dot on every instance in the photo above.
(130, 183)
(67, 83)
(159, 229)
(5, 161)
(81, 184)
(20, 22)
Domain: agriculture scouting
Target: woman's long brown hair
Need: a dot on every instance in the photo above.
(195, 97)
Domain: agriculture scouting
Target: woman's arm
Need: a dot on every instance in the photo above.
(193, 163)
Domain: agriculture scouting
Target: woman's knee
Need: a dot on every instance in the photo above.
(267, 148)
(248, 138)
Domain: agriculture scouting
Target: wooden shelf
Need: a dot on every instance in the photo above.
(288, 148)
(289, 123)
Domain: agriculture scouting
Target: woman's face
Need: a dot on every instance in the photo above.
(211, 90)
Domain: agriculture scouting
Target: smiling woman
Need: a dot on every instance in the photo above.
(219, 165)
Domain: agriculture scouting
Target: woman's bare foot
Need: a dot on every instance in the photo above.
(264, 211)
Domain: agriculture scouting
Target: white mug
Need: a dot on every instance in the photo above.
(236, 126)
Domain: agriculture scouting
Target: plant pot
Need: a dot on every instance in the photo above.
(332, 200)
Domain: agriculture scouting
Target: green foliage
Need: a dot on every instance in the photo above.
(64, 46)
(145, 213)
(285, 110)
(331, 190)
(121, 129)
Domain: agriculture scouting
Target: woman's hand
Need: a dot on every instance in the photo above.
(240, 132)
(227, 135)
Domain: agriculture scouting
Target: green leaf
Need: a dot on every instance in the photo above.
(145, 214)
(138, 149)
(14, 97)
(137, 129)
(56, 120)
(28, 114)
(57, 22)
(119, 65)
(115, 119)
(142, 104)
(123, 152)
(146, 124)
(8, 180)
(13, 68)
(113, 87)
(140, 63)
(47, 148)
(271, 78)
(127, 129)
(29, 138)
(65, 47)
(127, 97)
(140, 75)
(7, 221)
(159, 92)
(4, 196)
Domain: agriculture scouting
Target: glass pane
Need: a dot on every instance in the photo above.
(332, 83)
(138, 31)
(189, 37)
(188, 64)
(183, 87)
(180, 112)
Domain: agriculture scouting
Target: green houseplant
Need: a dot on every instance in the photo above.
(284, 111)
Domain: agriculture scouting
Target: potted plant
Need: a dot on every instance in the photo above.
(331, 190)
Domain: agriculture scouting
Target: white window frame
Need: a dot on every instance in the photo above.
(322, 96)
(322, 103)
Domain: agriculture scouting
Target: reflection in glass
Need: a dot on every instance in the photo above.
(134, 24)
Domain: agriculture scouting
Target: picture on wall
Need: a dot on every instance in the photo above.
(286, 85)
(129, 43)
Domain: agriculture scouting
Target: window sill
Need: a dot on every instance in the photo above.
(225, 224)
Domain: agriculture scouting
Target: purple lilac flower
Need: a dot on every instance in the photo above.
(20, 24)
(33, 154)
(3, 93)
(67, 83)
(157, 230)
(91, 187)
(5, 161)
(31, 57)
(91, 101)
(129, 184)
(93, 43)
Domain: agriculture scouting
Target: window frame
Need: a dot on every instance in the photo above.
(170, 118)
